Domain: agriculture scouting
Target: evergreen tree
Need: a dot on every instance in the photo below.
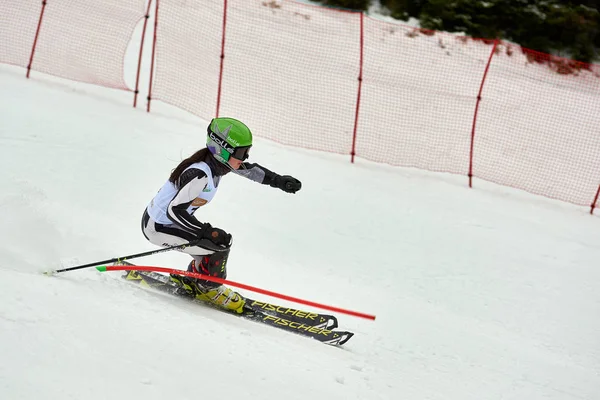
(359, 5)
(549, 26)
(404, 9)
(570, 28)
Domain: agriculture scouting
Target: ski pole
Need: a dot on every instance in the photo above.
(123, 258)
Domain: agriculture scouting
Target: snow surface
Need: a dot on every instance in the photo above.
(479, 294)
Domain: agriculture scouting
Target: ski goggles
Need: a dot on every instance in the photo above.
(226, 150)
(241, 153)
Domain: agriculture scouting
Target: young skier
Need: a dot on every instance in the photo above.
(170, 218)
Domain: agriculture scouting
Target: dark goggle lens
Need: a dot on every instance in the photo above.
(241, 153)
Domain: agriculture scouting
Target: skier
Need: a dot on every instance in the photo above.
(170, 218)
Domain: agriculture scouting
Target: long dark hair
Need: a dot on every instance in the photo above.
(200, 155)
(217, 168)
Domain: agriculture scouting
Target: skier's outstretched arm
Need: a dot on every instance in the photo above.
(260, 174)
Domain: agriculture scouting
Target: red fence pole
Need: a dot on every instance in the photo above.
(153, 54)
(593, 206)
(222, 57)
(487, 67)
(360, 79)
(37, 33)
(137, 77)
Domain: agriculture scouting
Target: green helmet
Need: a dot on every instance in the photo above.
(228, 137)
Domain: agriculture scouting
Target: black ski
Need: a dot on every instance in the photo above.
(318, 320)
(324, 321)
(318, 326)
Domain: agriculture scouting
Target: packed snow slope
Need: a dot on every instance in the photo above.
(479, 294)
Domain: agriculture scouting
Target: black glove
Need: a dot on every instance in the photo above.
(286, 183)
(216, 235)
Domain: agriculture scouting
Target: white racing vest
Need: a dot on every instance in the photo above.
(157, 209)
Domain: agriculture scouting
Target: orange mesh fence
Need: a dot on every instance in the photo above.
(289, 71)
(339, 82)
(82, 41)
(294, 75)
(419, 96)
(539, 126)
(188, 50)
(18, 24)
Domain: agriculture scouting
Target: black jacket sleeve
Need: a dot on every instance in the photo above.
(190, 183)
(257, 173)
